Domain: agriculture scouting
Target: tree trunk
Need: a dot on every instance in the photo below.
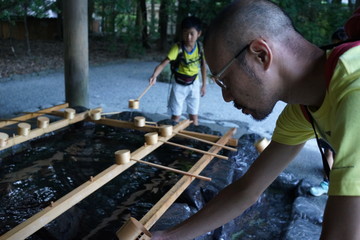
(143, 24)
(357, 4)
(184, 5)
(163, 24)
(91, 8)
(10, 36)
(103, 19)
(76, 57)
(26, 27)
(60, 34)
(152, 23)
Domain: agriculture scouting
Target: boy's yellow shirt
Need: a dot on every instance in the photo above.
(337, 122)
(194, 57)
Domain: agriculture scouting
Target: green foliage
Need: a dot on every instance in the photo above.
(206, 10)
(316, 20)
(35, 8)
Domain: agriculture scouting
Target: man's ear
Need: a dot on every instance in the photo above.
(199, 33)
(262, 52)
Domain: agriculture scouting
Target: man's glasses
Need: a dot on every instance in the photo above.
(217, 77)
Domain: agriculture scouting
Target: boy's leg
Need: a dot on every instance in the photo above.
(175, 118)
(194, 118)
(193, 102)
(176, 101)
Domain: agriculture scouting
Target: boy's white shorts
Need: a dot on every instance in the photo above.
(180, 94)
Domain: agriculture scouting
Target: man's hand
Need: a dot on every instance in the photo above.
(157, 236)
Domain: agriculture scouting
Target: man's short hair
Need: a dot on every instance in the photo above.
(244, 20)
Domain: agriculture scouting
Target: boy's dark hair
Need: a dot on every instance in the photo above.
(191, 22)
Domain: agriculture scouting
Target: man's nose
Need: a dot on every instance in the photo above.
(227, 95)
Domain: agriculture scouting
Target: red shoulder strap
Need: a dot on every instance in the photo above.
(334, 57)
(305, 112)
(330, 67)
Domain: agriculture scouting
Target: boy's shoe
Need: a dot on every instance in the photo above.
(323, 188)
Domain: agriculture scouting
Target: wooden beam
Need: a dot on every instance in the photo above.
(169, 198)
(40, 131)
(208, 142)
(196, 150)
(231, 141)
(172, 169)
(124, 124)
(48, 214)
(33, 115)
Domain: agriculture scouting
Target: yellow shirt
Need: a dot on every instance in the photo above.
(337, 121)
(193, 60)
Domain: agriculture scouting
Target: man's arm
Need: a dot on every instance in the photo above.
(238, 196)
(341, 218)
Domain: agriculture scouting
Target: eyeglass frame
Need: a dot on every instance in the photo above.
(217, 77)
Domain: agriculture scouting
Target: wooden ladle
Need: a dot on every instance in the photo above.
(134, 103)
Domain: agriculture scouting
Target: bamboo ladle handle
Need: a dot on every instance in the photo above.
(173, 170)
(195, 150)
(110, 113)
(205, 141)
(143, 93)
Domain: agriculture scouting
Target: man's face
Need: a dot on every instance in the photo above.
(190, 36)
(245, 87)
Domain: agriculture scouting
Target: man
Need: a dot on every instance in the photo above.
(258, 58)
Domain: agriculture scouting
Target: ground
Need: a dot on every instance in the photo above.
(48, 55)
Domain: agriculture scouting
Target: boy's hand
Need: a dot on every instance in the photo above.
(203, 90)
(152, 80)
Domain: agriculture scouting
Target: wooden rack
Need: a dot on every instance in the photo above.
(58, 207)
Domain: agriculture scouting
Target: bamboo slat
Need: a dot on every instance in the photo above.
(231, 142)
(28, 116)
(169, 198)
(40, 131)
(124, 124)
(197, 150)
(208, 142)
(173, 170)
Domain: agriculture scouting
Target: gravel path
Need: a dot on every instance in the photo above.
(111, 86)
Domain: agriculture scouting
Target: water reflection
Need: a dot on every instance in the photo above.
(53, 166)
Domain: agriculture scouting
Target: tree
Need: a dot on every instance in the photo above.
(141, 22)
(163, 24)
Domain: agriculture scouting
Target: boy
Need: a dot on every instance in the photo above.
(187, 59)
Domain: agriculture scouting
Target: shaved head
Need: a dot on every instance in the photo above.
(245, 20)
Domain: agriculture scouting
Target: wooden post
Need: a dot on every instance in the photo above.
(76, 57)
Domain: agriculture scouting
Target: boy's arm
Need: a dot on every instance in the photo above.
(158, 70)
(203, 75)
(238, 196)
